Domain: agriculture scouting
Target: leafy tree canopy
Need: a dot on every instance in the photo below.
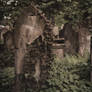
(61, 11)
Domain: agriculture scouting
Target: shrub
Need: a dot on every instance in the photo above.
(70, 74)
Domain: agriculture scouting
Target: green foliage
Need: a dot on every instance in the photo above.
(6, 70)
(6, 79)
(6, 58)
(53, 89)
(64, 11)
(61, 11)
(70, 74)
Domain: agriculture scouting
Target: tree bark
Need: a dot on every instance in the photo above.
(91, 60)
(19, 83)
(19, 73)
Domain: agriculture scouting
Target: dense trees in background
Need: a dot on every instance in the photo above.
(62, 11)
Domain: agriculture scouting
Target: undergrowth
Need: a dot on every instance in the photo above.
(71, 74)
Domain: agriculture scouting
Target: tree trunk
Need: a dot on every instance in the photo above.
(19, 74)
(19, 83)
(91, 60)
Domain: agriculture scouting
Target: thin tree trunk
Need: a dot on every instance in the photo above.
(91, 60)
(19, 83)
(19, 74)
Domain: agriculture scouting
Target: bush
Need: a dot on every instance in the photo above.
(70, 74)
